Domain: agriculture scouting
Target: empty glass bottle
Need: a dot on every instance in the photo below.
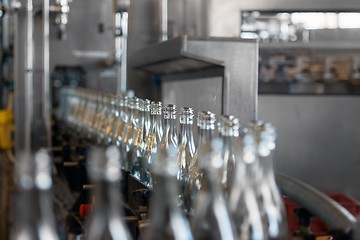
(151, 144)
(34, 213)
(166, 219)
(229, 133)
(81, 127)
(206, 123)
(106, 222)
(185, 155)
(113, 116)
(92, 130)
(89, 114)
(124, 112)
(104, 120)
(244, 205)
(271, 203)
(170, 135)
(129, 130)
(136, 148)
(211, 219)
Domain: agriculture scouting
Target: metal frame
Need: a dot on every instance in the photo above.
(236, 59)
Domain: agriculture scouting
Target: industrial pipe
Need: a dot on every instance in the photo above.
(332, 213)
(29, 74)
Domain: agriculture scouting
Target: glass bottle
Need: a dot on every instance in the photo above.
(114, 115)
(206, 125)
(73, 104)
(106, 222)
(211, 219)
(140, 138)
(82, 114)
(81, 94)
(124, 113)
(102, 118)
(34, 212)
(107, 117)
(185, 154)
(271, 203)
(244, 205)
(228, 127)
(170, 135)
(151, 144)
(166, 219)
(129, 132)
(63, 109)
(100, 100)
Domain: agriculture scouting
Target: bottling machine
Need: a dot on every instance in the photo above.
(186, 53)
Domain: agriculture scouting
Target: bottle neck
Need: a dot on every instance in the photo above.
(186, 134)
(205, 136)
(157, 126)
(227, 142)
(147, 123)
(107, 199)
(166, 186)
(125, 113)
(135, 115)
(46, 212)
(267, 167)
(170, 133)
(140, 121)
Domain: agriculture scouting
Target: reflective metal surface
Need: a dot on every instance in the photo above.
(235, 61)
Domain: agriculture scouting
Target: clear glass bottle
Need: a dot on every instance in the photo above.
(82, 101)
(211, 219)
(124, 113)
(137, 139)
(100, 101)
(105, 113)
(151, 144)
(73, 104)
(166, 219)
(206, 125)
(105, 120)
(271, 203)
(34, 212)
(140, 138)
(106, 222)
(228, 128)
(244, 205)
(114, 115)
(170, 135)
(185, 154)
(84, 111)
(129, 132)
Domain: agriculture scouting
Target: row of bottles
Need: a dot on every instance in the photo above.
(223, 187)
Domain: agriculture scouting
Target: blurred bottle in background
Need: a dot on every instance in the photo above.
(104, 168)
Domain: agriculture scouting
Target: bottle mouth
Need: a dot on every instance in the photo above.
(206, 120)
(134, 103)
(156, 108)
(265, 136)
(170, 111)
(123, 101)
(229, 126)
(147, 105)
(186, 115)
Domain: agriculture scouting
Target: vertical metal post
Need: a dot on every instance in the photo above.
(46, 76)
(29, 71)
(124, 27)
(164, 20)
(121, 23)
